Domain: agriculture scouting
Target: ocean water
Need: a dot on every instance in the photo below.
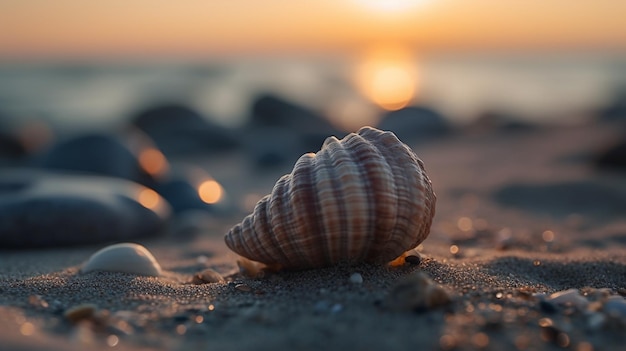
(74, 96)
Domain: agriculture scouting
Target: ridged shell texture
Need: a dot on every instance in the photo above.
(364, 198)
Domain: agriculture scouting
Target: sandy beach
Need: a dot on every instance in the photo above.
(520, 215)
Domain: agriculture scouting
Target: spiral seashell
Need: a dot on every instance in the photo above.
(364, 198)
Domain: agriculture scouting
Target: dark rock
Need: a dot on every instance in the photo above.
(177, 129)
(548, 307)
(613, 157)
(19, 137)
(498, 121)
(615, 110)
(45, 209)
(268, 147)
(182, 190)
(269, 111)
(107, 154)
(414, 124)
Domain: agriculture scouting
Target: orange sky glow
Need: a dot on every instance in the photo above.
(199, 28)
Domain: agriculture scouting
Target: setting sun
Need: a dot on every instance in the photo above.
(388, 77)
(392, 5)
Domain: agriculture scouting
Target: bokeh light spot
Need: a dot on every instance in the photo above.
(388, 77)
(148, 198)
(210, 191)
(153, 161)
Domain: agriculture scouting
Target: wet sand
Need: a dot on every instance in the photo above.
(520, 216)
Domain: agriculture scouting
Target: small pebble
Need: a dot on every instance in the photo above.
(356, 278)
(416, 292)
(80, 312)
(124, 258)
(570, 297)
(413, 260)
(243, 287)
(37, 301)
(207, 276)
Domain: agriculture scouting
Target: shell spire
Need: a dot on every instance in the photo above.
(364, 198)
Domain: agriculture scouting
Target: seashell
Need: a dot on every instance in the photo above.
(364, 198)
(124, 258)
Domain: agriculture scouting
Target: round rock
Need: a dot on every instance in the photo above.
(131, 156)
(415, 123)
(177, 128)
(311, 128)
(124, 258)
(190, 189)
(44, 209)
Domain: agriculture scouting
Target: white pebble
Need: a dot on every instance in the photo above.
(569, 297)
(356, 278)
(124, 258)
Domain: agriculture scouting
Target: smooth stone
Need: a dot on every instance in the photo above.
(569, 297)
(45, 209)
(415, 123)
(123, 258)
(107, 154)
(416, 292)
(207, 276)
(356, 278)
(177, 128)
(268, 147)
(311, 128)
(182, 190)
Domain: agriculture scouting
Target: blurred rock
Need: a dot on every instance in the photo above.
(191, 189)
(497, 121)
(615, 110)
(132, 156)
(415, 123)
(274, 112)
(416, 292)
(612, 157)
(178, 129)
(45, 209)
(10, 145)
(268, 147)
(19, 137)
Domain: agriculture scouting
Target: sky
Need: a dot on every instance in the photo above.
(43, 29)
